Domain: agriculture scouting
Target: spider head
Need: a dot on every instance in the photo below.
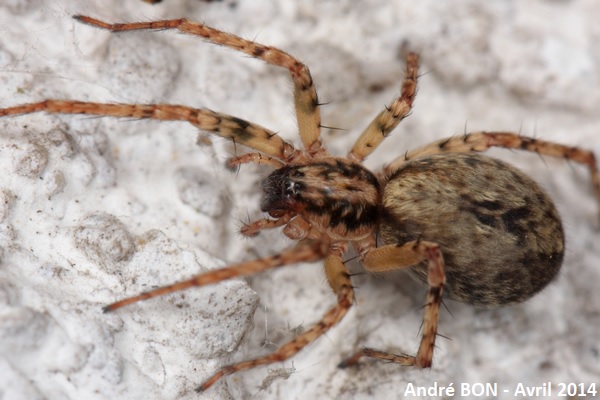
(336, 196)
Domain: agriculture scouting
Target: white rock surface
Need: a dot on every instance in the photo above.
(94, 209)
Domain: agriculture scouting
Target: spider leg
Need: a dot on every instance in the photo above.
(304, 251)
(392, 257)
(296, 227)
(482, 141)
(256, 158)
(305, 94)
(299, 228)
(339, 280)
(254, 228)
(388, 119)
(226, 126)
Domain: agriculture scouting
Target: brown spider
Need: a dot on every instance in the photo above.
(470, 226)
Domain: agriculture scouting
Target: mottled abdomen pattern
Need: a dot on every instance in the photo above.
(500, 234)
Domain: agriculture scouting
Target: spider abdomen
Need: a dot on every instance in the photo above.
(500, 234)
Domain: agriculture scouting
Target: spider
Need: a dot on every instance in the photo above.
(469, 226)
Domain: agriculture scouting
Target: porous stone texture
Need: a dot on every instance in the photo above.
(95, 209)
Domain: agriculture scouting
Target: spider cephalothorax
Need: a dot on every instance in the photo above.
(500, 234)
(336, 196)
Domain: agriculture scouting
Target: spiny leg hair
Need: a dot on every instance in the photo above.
(482, 141)
(394, 257)
(305, 94)
(388, 119)
(339, 280)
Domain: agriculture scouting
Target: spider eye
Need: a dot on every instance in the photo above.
(291, 188)
(281, 190)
